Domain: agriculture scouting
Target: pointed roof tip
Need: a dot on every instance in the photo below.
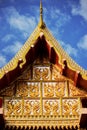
(41, 23)
(40, 3)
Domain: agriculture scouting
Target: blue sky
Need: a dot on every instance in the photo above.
(66, 19)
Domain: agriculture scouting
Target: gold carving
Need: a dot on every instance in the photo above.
(22, 89)
(28, 89)
(31, 107)
(56, 74)
(75, 109)
(42, 98)
(41, 73)
(13, 107)
(75, 91)
(66, 108)
(70, 107)
(27, 107)
(36, 108)
(60, 89)
(51, 107)
(54, 89)
(48, 90)
(55, 108)
(47, 108)
(34, 89)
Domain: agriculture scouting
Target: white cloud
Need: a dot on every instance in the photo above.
(56, 19)
(12, 49)
(69, 49)
(16, 20)
(61, 18)
(81, 10)
(83, 42)
(7, 37)
(56, 14)
(2, 60)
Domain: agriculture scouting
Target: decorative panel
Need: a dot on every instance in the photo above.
(31, 107)
(60, 89)
(28, 89)
(70, 107)
(41, 73)
(22, 89)
(42, 94)
(34, 89)
(48, 89)
(51, 107)
(73, 91)
(53, 89)
(13, 107)
(56, 74)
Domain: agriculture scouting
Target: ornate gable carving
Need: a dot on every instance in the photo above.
(73, 91)
(42, 92)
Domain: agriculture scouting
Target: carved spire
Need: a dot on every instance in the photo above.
(41, 23)
(41, 12)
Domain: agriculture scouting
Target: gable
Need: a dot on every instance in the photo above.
(41, 91)
(42, 87)
(42, 71)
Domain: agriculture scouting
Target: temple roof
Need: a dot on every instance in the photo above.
(41, 33)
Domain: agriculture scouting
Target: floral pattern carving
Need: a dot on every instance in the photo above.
(13, 107)
(34, 89)
(73, 91)
(31, 107)
(22, 89)
(44, 95)
(28, 89)
(60, 89)
(48, 90)
(56, 74)
(70, 107)
(51, 107)
(41, 73)
(54, 89)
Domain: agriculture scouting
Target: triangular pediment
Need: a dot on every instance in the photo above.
(42, 85)
(43, 45)
(42, 71)
(42, 92)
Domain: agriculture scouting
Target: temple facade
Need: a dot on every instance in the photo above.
(42, 87)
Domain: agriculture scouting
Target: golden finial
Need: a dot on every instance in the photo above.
(41, 23)
(41, 12)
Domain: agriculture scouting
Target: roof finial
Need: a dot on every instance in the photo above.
(41, 12)
(41, 23)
